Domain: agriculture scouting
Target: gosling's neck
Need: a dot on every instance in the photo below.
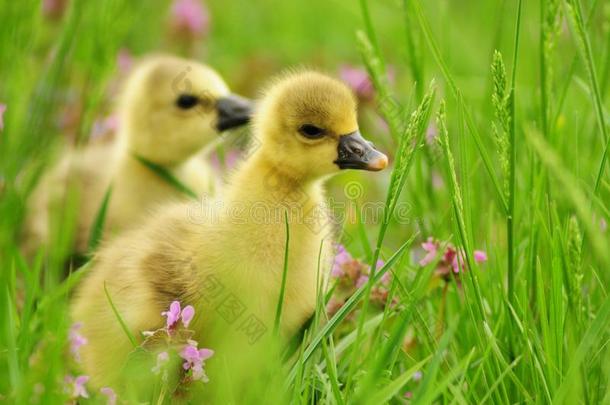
(261, 180)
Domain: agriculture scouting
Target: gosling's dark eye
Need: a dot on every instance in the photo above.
(186, 101)
(311, 131)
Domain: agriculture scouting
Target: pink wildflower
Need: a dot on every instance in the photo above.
(190, 17)
(110, 394)
(480, 256)
(174, 314)
(358, 80)
(431, 247)
(362, 280)
(104, 126)
(408, 395)
(194, 360)
(76, 340)
(431, 134)
(162, 358)
(76, 386)
(334, 305)
(187, 315)
(341, 259)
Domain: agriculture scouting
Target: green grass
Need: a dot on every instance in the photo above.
(518, 169)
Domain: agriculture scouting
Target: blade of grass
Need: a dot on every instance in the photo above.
(119, 318)
(280, 302)
(598, 327)
(100, 220)
(167, 176)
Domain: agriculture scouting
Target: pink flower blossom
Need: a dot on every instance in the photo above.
(358, 80)
(431, 133)
(110, 394)
(190, 17)
(386, 279)
(76, 340)
(107, 125)
(162, 359)
(408, 395)
(431, 247)
(480, 256)
(362, 280)
(76, 386)
(342, 257)
(2, 110)
(187, 315)
(230, 161)
(195, 360)
(334, 305)
(174, 314)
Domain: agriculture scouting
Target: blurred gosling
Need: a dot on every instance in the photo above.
(171, 111)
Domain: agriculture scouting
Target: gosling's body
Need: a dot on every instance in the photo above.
(230, 252)
(152, 127)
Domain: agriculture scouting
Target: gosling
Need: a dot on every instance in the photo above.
(226, 258)
(170, 113)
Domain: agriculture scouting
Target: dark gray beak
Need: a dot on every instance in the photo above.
(233, 111)
(355, 152)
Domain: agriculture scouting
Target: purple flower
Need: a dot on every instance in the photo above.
(417, 376)
(173, 314)
(480, 256)
(104, 126)
(230, 161)
(431, 247)
(194, 360)
(187, 315)
(109, 392)
(362, 280)
(76, 340)
(190, 17)
(358, 80)
(2, 110)
(431, 134)
(162, 358)
(342, 258)
(76, 386)
(386, 279)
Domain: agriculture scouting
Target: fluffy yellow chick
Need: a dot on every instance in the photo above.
(170, 110)
(226, 257)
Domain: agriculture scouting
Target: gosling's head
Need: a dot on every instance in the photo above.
(307, 125)
(171, 108)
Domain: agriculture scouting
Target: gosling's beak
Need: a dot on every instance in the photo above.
(233, 111)
(355, 152)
